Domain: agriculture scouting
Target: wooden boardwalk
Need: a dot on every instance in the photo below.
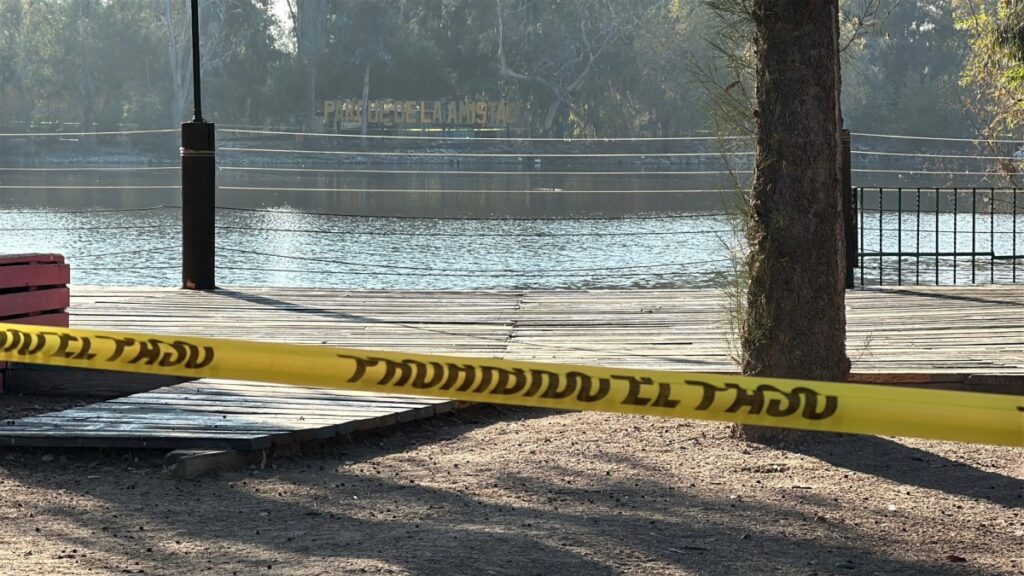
(928, 332)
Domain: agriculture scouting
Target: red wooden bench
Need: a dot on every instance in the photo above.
(33, 290)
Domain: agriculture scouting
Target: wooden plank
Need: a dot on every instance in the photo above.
(161, 440)
(15, 259)
(16, 304)
(926, 337)
(38, 380)
(59, 319)
(29, 275)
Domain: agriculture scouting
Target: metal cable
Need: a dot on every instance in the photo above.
(91, 211)
(444, 275)
(403, 274)
(483, 172)
(77, 228)
(472, 235)
(108, 133)
(91, 169)
(459, 191)
(516, 219)
(83, 187)
(499, 138)
(902, 137)
(545, 272)
(921, 155)
(938, 172)
(125, 268)
(483, 154)
(122, 252)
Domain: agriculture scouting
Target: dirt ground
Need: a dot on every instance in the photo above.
(516, 491)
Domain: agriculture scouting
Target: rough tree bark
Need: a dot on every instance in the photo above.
(310, 20)
(795, 318)
(364, 111)
(86, 44)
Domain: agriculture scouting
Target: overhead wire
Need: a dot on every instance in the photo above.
(632, 233)
(935, 138)
(77, 228)
(495, 138)
(930, 172)
(91, 169)
(123, 252)
(85, 187)
(482, 154)
(477, 218)
(535, 173)
(532, 272)
(91, 210)
(100, 133)
(922, 155)
(462, 191)
(457, 275)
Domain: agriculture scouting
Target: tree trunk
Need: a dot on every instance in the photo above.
(88, 84)
(311, 120)
(180, 63)
(795, 318)
(365, 112)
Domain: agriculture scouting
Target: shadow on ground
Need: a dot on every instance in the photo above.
(338, 510)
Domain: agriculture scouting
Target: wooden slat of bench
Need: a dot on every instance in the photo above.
(29, 275)
(14, 259)
(20, 303)
(59, 319)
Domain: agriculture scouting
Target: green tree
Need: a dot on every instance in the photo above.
(556, 47)
(370, 32)
(310, 20)
(995, 66)
(903, 75)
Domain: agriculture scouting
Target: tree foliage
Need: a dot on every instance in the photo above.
(994, 71)
(579, 67)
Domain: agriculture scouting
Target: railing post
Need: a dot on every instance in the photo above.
(198, 184)
(849, 209)
(198, 199)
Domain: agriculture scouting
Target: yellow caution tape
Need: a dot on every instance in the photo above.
(825, 406)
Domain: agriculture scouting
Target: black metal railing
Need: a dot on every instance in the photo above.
(939, 235)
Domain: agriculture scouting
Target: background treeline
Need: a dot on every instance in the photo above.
(580, 67)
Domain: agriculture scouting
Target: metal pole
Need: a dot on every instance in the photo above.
(860, 210)
(936, 236)
(197, 94)
(899, 236)
(956, 192)
(849, 211)
(992, 236)
(917, 238)
(881, 245)
(198, 185)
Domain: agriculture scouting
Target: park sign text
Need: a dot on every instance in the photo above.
(347, 114)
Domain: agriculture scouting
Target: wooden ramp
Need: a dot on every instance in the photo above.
(957, 335)
(218, 414)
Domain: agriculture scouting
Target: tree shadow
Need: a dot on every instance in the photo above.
(642, 528)
(508, 326)
(947, 296)
(897, 462)
(555, 521)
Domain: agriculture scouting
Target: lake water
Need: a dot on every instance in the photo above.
(479, 227)
(310, 212)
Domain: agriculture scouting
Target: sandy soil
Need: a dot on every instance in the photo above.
(516, 491)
